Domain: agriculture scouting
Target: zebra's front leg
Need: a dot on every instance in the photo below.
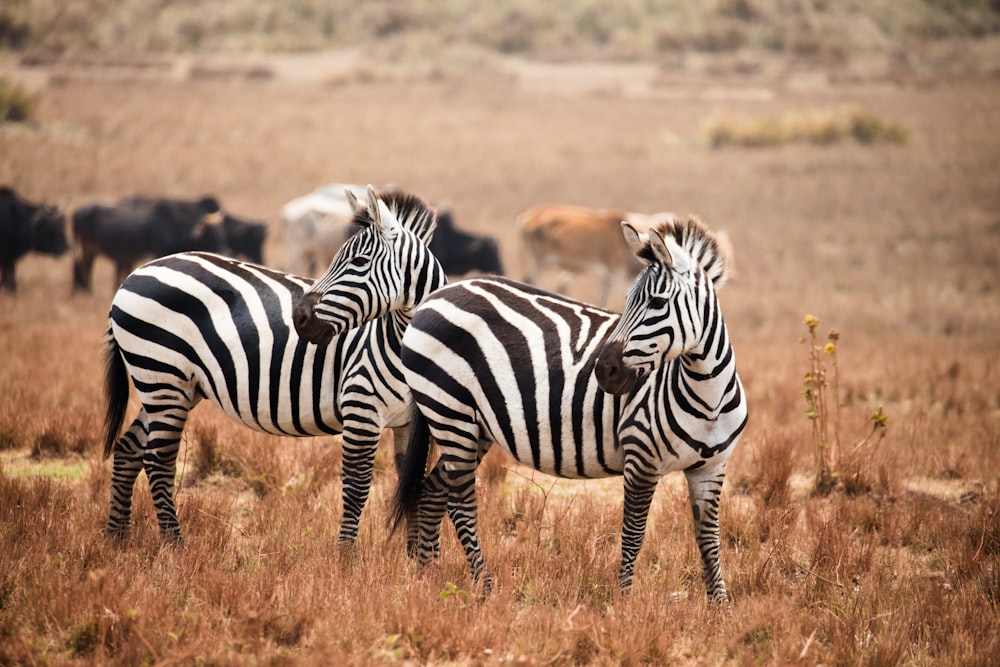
(127, 465)
(704, 491)
(360, 445)
(639, 490)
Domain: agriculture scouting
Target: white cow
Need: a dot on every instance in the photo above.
(316, 225)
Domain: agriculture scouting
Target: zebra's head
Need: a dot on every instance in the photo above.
(385, 267)
(668, 305)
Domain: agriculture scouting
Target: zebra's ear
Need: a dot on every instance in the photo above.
(352, 201)
(636, 241)
(382, 218)
(666, 249)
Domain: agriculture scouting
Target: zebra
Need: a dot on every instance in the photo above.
(577, 392)
(196, 325)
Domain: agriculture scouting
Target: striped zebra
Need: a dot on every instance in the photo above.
(578, 392)
(195, 325)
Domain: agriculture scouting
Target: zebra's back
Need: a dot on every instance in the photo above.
(222, 329)
(519, 362)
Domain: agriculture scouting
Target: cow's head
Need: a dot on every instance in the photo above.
(209, 232)
(48, 231)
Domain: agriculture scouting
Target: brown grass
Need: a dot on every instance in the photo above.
(894, 245)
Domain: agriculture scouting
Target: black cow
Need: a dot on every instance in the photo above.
(140, 227)
(27, 227)
(461, 252)
(245, 238)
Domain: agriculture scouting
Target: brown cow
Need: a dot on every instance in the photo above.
(576, 240)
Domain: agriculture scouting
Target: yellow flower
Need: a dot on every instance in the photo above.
(811, 321)
(829, 348)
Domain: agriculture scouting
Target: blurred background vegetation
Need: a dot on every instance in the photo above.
(828, 31)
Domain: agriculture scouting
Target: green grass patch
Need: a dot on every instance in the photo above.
(69, 470)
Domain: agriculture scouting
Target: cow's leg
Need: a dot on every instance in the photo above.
(604, 278)
(8, 280)
(704, 491)
(83, 269)
(564, 281)
(122, 269)
(128, 453)
(639, 488)
(532, 266)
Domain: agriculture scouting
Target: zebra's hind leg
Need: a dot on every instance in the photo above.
(400, 436)
(430, 513)
(460, 467)
(704, 491)
(159, 460)
(360, 444)
(128, 453)
(639, 489)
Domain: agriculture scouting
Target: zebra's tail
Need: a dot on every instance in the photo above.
(116, 392)
(411, 476)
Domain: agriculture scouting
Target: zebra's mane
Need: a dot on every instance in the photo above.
(412, 212)
(700, 242)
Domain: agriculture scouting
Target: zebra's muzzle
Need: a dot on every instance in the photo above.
(613, 376)
(307, 325)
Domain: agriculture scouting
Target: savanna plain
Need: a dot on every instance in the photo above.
(894, 246)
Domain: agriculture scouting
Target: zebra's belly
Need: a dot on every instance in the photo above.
(575, 444)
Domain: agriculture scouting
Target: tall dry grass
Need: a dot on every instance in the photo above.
(894, 245)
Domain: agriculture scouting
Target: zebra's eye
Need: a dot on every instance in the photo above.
(358, 260)
(657, 302)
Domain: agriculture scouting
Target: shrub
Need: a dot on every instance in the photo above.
(822, 394)
(16, 104)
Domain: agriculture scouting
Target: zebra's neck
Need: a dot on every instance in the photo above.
(708, 372)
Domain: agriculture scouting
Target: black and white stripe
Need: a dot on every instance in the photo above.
(196, 325)
(491, 360)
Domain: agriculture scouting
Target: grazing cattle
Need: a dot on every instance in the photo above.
(460, 252)
(244, 239)
(27, 227)
(316, 225)
(575, 240)
(141, 227)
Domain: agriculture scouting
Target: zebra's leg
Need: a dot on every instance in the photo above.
(128, 454)
(704, 490)
(166, 424)
(460, 466)
(431, 509)
(639, 489)
(360, 439)
(400, 436)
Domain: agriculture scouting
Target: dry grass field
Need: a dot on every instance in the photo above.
(894, 245)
